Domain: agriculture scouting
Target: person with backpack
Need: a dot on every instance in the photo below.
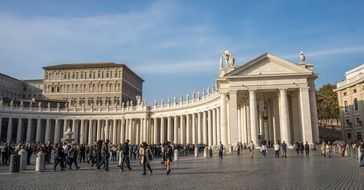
(105, 155)
(72, 157)
(59, 157)
(145, 157)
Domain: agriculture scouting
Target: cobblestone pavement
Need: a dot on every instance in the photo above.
(233, 172)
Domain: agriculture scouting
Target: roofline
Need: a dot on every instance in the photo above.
(89, 63)
(11, 77)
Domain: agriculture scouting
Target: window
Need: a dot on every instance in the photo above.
(90, 75)
(110, 74)
(347, 122)
(98, 74)
(107, 74)
(358, 136)
(349, 135)
(82, 75)
(354, 91)
(102, 74)
(346, 106)
(356, 105)
(357, 121)
(344, 94)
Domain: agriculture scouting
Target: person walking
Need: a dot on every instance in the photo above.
(307, 148)
(263, 149)
(276, 150)
(284, 149)
(145, 157)
(251, 149)
(323, 149)
(59, 157)
(72, 157)
(91, 155)
(238, 147)
(105, 155)
(221, 150)
(361, 158)
(167, 156)
(125, 151)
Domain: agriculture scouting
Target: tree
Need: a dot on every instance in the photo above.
(327, 103)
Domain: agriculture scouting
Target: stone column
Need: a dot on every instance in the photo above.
(137, 132)
(218, 126)
(39, 131)
(98, 130)
(253, 115)
(276, 131)
(155, 131)
(188, 129)
(199, 140)
(163, 131)
(1, 126)
(214, 129)
(48, 131)
(209, 127)
(193, 128)
(313, 108)
(183, 130)
(19, 131)
(122, 131)
(204, 127)
(169, 129)
(29, 130)
(243, 123)
(75, 131)
(90, 131)
(57, 137)
(284, 118)
(65, 126)
(114, 132)
(175, 129)
(306, 116)
(106, 129)
(145, 130)
(82, 132)
(223, 120)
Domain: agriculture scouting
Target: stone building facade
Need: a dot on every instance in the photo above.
(351, 102)
(267, 98)
(14, 89)
(91, 85)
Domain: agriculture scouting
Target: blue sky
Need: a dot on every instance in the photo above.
(175, 45)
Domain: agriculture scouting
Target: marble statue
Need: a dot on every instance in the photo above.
(39, 105)
(66, 105)
(302, 57)
(49, 105)
(1, 103)
(138, 99)
(221, 63)
(21, 103)
(229, 58)
(58, 105)
(12, 103)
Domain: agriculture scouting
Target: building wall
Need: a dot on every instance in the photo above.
(351, 96)
(10, 88)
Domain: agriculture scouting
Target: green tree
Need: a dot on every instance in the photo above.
(327, 104)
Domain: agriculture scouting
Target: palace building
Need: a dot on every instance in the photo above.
(267, 98)
(350, 94)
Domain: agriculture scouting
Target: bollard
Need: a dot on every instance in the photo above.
(14, 166)
(205, 152)
(196, 151)
(39, 162)
(175, 155)
(23, 159)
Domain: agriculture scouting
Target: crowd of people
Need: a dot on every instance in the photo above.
(97, 155)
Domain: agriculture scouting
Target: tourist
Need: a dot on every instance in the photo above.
(29, 150)
(251, 149)
(284, 149)
(221, 150)
(361, 158)
(98, 151)
(167, 156)
(343, 148)
(72, 157)
(145, 157)
(296, 146)
(105, 155)
(329, 149)
(263, 149)
(125, 151)
(91, 155)
(113, 152)
(276, 149)
(238, 148)
(307, 148)
(323, 148)
(59, 157)
(82, 152)
(302, 147)
(5, 152)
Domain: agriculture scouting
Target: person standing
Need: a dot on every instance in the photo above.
(361, 145)
(145, 157)
(263, 149)
(125, 151)
(276, 149)
(91, 155)
(284, 149)
(167, 156)
(251, 149)
(221, 150)
(323, 149)
(307, 148)
(238, 147)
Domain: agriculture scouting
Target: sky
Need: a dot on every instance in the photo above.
(175, 45)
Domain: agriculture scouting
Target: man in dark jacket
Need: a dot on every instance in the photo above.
(105, 155)
(307, 148)
(125, 149)
(72, 157)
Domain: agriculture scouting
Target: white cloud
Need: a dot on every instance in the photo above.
(331, 51)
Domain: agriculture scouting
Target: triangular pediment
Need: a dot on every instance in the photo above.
(267, 64)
